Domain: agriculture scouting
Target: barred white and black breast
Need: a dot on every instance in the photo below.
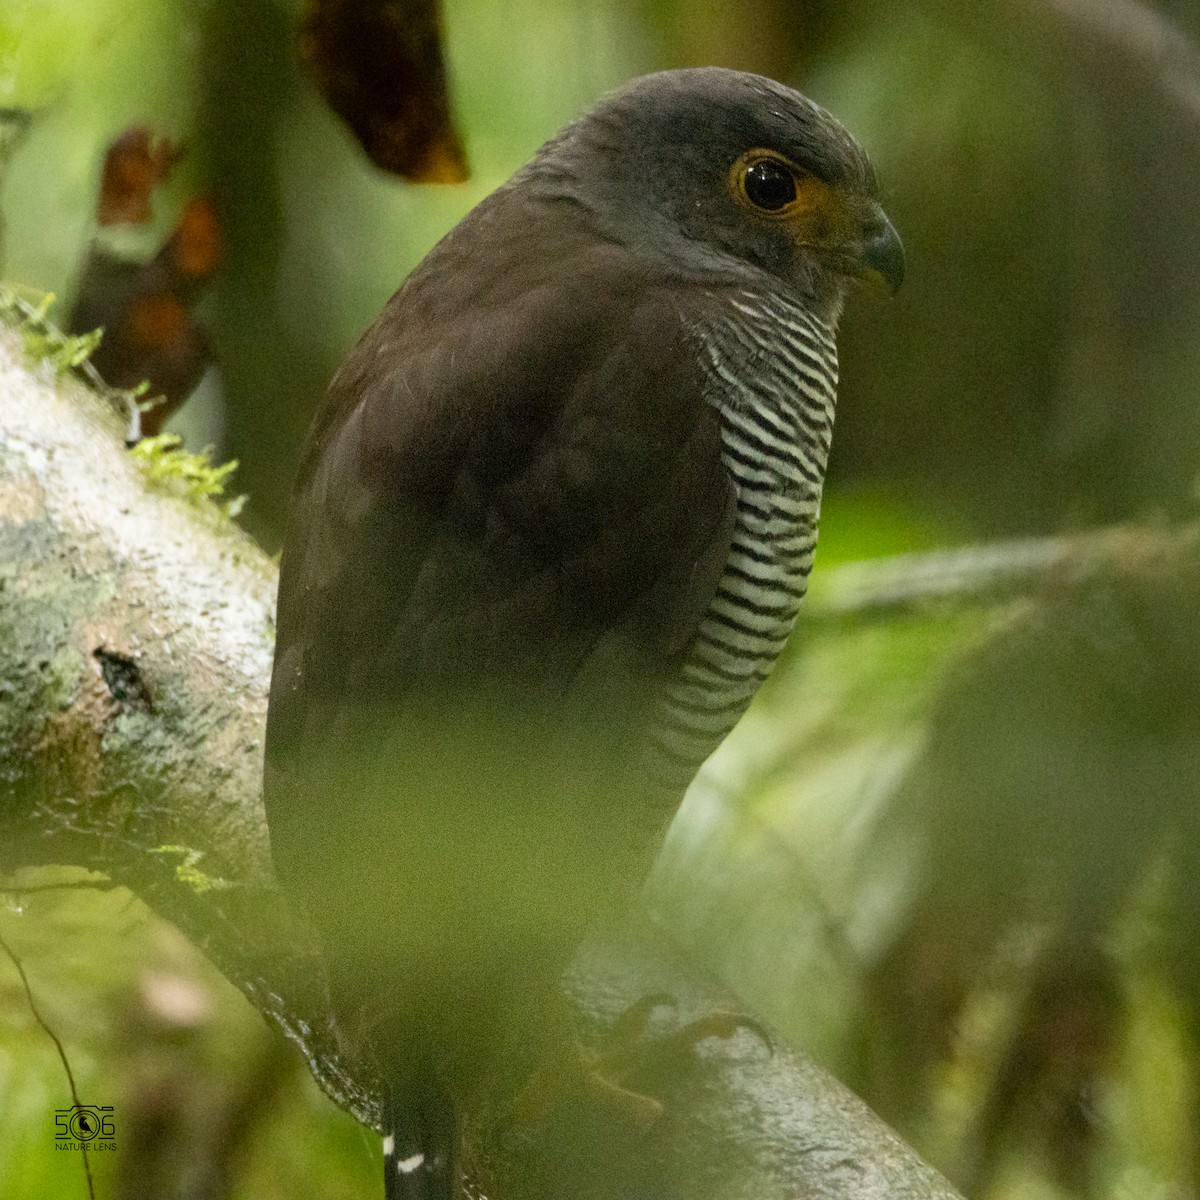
(776, 406)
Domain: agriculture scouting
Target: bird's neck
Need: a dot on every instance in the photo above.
(771, 369)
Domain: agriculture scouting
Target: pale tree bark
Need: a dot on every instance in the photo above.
(135, 649)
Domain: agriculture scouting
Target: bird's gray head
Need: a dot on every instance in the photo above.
(722, 173)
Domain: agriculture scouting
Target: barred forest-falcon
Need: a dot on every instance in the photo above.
(554, 523)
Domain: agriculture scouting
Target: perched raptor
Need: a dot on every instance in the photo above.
(551, 533)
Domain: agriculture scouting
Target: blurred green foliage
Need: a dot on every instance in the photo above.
(151, 1029)
(1038, 373)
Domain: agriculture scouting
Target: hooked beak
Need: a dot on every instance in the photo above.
(882, 252)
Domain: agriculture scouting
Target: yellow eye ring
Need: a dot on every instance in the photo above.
(767, 183)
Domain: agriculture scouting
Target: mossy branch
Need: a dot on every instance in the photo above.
(167, 465)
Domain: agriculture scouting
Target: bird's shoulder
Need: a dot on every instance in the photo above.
(531, 361)
(516, 461)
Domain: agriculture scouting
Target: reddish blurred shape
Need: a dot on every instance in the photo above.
(379, 65)
(134, 165)
(145, 308)
(195, 246)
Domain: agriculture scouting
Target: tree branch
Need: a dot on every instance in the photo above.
(135, 648)
(989, 574)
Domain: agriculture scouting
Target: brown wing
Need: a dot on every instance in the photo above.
(507, 529)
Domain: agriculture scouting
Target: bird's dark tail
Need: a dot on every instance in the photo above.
(420, 1131)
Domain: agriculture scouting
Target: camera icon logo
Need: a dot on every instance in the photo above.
(84, 1122)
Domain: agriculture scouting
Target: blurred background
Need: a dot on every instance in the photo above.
(953, 851)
